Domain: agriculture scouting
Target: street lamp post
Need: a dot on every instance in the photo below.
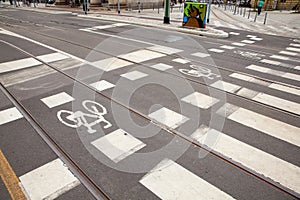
(167, 12)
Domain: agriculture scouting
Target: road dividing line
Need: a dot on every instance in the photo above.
(227, 47)
(280, 57)
(216, 50)
(168, 117)
(48, 181)
(181, 61)
(102, 85)
(110, 64)
(9, 115)
(200, 55)
(248, 41)
(200, 100)
(238, 44)
(141, 56)
(225, 86)
(10, 179)
(52, 57)
(118, 145)
(161, 67)
(285, 173)
(134, 75)
(18, 64)
(169, 180)
(285, 88)
(266, 70)
(271, 62)
(288, 53)
(295, 45)
(293, 49)
(165, 49)
(57, 99)
(266, 125)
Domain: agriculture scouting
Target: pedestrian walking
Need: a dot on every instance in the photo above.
(259, 6)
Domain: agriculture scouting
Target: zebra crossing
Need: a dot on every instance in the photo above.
(168, 179)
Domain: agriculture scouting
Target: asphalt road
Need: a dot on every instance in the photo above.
(139, 113)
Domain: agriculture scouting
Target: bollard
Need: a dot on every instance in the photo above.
(234, 10)
(241, 11)
(171, 9)
(158, 8)
(265, 18)
(255, 17)
(249, 13)
(244, 12)
(153, 6)
(225, 7)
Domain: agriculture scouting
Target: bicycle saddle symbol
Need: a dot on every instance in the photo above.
(79, 118)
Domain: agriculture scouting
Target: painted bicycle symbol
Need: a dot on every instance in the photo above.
(79, 118)
(198, 71)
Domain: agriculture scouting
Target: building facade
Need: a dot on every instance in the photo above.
(278, 4)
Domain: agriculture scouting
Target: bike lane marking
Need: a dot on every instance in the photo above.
(57, 99)
(9, 115)
(10, 179)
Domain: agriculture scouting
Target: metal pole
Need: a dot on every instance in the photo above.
(249, 13)
(167, 12)
(265, 18)
(208, 12)
(255, 17)
(139, 4)
(119, 7)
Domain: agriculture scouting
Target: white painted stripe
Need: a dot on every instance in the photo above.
(168, 117)
(141, 56)
(104, 27)
(227, 47)
(118, 145)
(275, 86)
(134, 75)
(180, 60)
(267, 125)
(164, 49)
(285, 88)
(293, 49)
(48, 181)
(169, 180)
(291, 76)
(295, 45)
(279, 57)
(161, 66)
(200, 100)
(256, 39)
(278, 103)
(288, 53)
(238, 44)
(216, 50)
(200, 54)
(110, 64)
(255, 159)
(102, 85)
(272, 62)
(225, 86)
(251, 36)
(234, 33)
(18, 64)
(9, 115)
(297, 67)
(217, 23)
(52, 57)
(57, 99)
(248, 41)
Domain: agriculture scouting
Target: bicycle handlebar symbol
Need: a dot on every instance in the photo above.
(79, 118)
(198, 71)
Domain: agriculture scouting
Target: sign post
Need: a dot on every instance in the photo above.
(167, 12)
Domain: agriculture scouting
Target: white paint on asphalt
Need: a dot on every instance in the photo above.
(134, 75)
(52, 57)
(109, 26)
(238, 44)
(141, 56)
(248, 41)
(48, 181)
(216, 50)
(102, 85)
(293, 49)
(57, 99)
(9, 115)
(181, 61)
(297, 68)
(18, 64)
(110, 64)
(227, 47)
(200, 100)
(161, 66)
(168, 117)
(164, 49)
(234, 33)
(267, 125)
(279, 57)
(291, 76)
(255, 159)
(169, 180)
(225, 86)
(288, 53)
(271, 62)
(256, 38)
(118, 145)
(285, 89)
(278, 103)
(295, 45)
(200, 54)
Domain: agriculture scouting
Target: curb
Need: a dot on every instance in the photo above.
(209, 32)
